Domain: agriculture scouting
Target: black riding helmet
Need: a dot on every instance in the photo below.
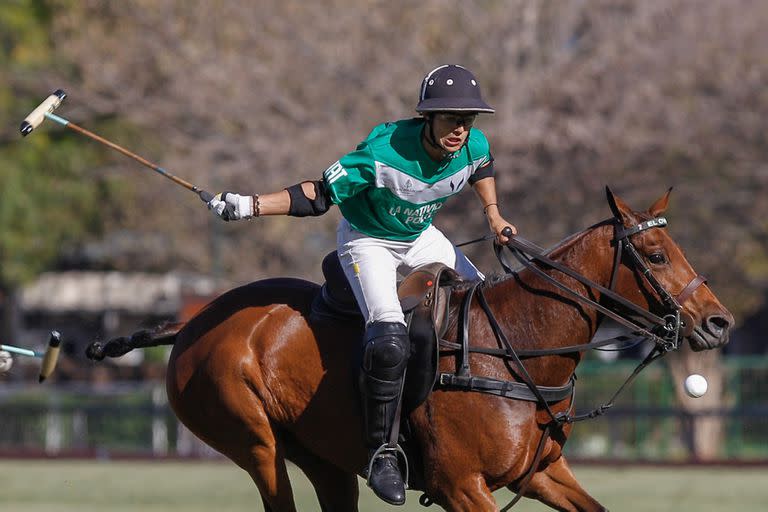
(449, 88)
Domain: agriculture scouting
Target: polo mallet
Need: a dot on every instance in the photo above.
(50, 357)
(45, 110)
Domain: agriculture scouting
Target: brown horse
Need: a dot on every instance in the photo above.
(258, 378)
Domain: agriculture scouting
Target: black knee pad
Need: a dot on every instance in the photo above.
(385, 356)
(387, 348)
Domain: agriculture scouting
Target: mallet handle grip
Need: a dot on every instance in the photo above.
(36, 117)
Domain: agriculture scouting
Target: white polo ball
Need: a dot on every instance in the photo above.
(695, 385)
(6, 361)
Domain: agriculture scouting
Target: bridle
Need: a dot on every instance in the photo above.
(678, 324)
(666, 330)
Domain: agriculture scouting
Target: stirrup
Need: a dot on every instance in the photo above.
(387, 448)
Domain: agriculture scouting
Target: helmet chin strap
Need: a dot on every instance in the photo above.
(429, 136)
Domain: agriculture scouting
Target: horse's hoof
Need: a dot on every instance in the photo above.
(95, 351)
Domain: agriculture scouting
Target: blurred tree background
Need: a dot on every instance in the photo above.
(639, 95)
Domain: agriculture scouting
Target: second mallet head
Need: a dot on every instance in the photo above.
(37, 116)
(51, 356)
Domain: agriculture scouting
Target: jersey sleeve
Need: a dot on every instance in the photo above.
(480, 155)
(484, 171)
(351, 174)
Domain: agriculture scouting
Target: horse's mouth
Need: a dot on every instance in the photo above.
(700, 339)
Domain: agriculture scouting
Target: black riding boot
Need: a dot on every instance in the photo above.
(385, 357)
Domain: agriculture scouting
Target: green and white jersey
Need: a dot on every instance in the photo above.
(390, 188)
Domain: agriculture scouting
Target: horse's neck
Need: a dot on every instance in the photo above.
(590, 253)
(563, 321)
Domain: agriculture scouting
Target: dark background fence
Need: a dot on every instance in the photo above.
(647, 422)
(114, 419)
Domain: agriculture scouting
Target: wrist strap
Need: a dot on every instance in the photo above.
(256, 206)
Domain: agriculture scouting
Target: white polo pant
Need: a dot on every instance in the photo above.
(373, 265)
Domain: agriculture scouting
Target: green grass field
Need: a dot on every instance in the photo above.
(90, 486)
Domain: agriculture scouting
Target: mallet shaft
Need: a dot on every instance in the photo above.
(120, 149)
(45, 111)
(22, 351)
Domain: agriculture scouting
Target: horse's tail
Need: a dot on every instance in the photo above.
(164, 334)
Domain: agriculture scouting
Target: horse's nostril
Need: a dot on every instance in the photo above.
(717, 324)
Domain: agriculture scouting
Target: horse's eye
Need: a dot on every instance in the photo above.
(657, 258)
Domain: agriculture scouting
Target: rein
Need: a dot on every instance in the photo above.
(665, 331)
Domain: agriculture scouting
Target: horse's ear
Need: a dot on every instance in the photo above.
(619, 208)
(660, 206)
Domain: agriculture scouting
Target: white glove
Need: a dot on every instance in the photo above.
(231, 206)
(6, 361)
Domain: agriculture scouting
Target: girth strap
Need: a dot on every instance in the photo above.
(507, 389)
(527, 353)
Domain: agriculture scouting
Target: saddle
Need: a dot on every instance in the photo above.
(425, 298)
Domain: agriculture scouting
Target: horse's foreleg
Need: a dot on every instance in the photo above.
(468, 495)
(557, 487)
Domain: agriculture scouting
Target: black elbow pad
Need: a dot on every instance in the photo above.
(302, 206)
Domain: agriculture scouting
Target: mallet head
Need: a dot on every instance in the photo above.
(51, 356)
(37, 116)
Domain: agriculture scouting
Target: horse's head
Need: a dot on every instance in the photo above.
(655, 274)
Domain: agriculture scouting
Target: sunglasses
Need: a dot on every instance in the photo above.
(466, 120)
